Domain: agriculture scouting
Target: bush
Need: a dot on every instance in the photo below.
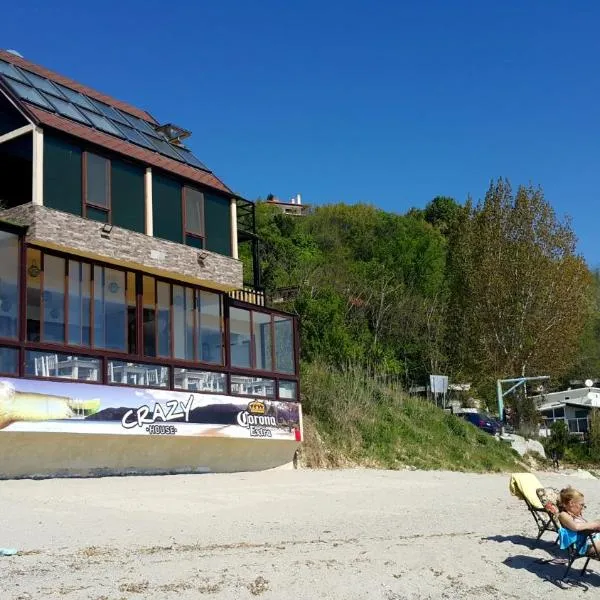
(557, 443)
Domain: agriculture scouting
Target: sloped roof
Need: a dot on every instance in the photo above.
(89, 133)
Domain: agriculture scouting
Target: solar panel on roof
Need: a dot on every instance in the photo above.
(133, 135)
(190, 159)
(30, 94)
(166, 148)
(69, 103)
(8, 69)
(66, 109)
(110, 112)
(76, 97)
(143, 126)
(41, 84)
(100, 122)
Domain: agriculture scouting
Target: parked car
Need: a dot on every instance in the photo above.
(483, 421)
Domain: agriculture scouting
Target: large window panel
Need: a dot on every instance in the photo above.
(62, 365)
(239, 337)
(9, 361)
(194, 212)
(131, 313)
(284, 345)
(79, 303)
(9, 285)
(110, 309)
(210, 342)
(54, 299)
(97, 180)
(263, 341)
(149, 316)
(200, 381)
(163, 291)
(34, 294)
(183, 322)
(252, 386)
(142, 375)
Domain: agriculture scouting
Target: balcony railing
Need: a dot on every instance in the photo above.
(250, 295)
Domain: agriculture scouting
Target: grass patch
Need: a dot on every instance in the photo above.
(351, 419)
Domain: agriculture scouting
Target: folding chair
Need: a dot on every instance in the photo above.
(526, 486)
(579, 544)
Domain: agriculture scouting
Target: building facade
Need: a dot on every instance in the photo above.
(129, 342)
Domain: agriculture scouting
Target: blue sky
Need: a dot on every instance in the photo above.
(389, 103)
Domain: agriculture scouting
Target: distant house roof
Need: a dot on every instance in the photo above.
(579, 397)
(82, 112)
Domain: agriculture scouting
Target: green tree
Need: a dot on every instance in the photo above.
(519, 292)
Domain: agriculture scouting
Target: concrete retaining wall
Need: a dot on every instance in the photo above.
(26, 455)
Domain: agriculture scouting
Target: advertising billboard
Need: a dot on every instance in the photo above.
(82, 408)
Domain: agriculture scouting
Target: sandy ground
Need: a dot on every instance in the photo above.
(279, 534)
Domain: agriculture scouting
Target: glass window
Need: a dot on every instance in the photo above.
(284, 345)
(288, 390)
(131, 313)
(252, 386)
(210, 342)
(581, 414)
(183, 322)
(128, 373)
(9, 285)
(261, 323)
(239, 333)
(164, 318)
(79, 303)
(110, 309)
(194, 241)
(34, 294)
(64, 366)
(559, 412)
(149, 316)
(194, 202)
(200, 381)
(97, 185)
(53, 299)
(9, 361)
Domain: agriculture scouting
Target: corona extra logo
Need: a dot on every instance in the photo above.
(256, 407)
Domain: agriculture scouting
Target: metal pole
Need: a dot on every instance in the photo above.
(500, 402)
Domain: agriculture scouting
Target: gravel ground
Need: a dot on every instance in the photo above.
(280, 534)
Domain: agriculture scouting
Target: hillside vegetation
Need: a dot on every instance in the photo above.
(477, 291)
(351, 420)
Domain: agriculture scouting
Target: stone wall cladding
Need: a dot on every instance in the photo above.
(56, 229)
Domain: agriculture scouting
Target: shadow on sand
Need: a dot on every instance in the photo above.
(550, 569)
(553, 571)
(528, 542)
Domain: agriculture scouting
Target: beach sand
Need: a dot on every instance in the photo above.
(279, 534)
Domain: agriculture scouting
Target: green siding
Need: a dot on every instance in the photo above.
(127, 191)
(217, 224)
(167, 214)
(62, 175)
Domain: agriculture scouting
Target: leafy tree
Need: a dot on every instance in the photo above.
(519, 291)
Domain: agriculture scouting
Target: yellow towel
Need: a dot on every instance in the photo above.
(524, 485)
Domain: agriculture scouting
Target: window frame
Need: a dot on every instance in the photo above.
(84, 195)
(187, 233)
(226, 302)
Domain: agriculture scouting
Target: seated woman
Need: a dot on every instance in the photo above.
(576, 528)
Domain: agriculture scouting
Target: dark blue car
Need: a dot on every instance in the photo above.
(483, 421)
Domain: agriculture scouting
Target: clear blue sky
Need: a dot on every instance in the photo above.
(389, 103)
